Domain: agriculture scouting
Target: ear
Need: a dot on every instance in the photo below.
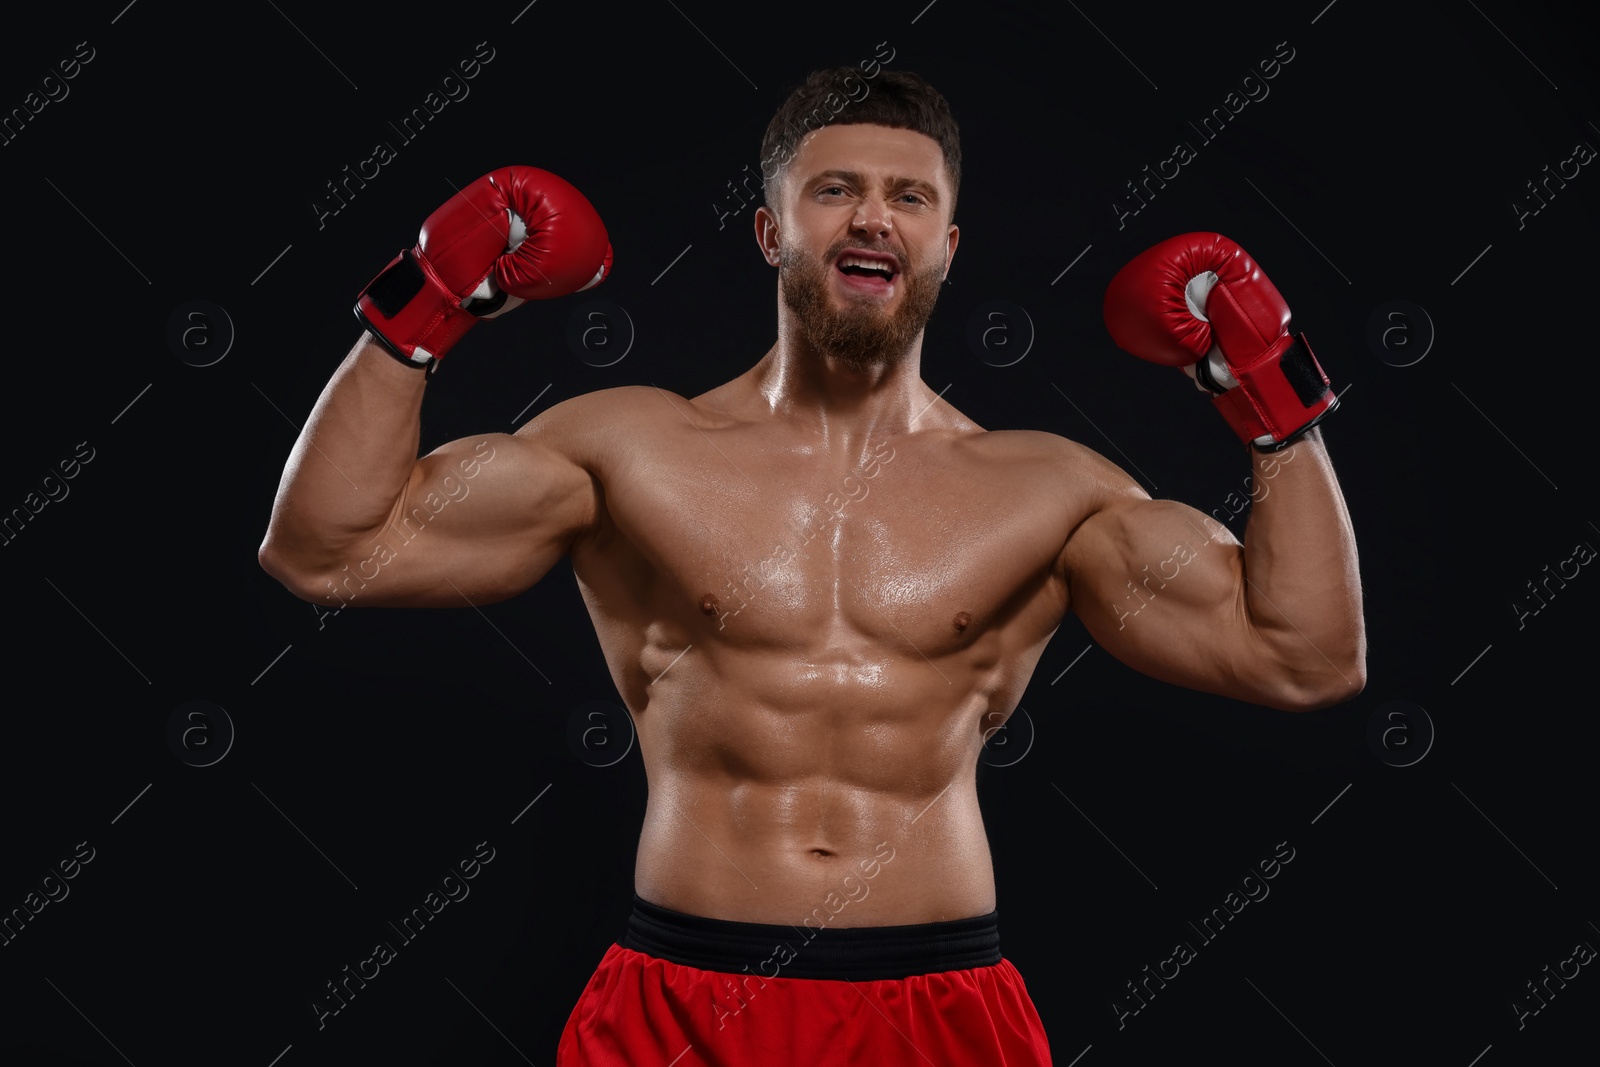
(767, 234)
(950, 248)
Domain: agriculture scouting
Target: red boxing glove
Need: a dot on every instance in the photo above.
(1198, 301)
(515, 234)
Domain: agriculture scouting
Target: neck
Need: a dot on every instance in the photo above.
(841, 402)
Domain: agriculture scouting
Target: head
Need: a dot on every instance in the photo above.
(843, 95)
(860, 182)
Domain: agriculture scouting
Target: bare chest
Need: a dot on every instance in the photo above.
(905, 547)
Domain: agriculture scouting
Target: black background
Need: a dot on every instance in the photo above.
(376, 749)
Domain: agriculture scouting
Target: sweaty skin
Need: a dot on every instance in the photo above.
(819, 585)
(877, 602)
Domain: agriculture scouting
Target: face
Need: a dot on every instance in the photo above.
(862, 240)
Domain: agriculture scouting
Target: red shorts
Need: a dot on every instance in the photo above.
(686, 991)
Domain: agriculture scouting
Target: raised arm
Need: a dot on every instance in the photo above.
(1277, 620)
(358, 517)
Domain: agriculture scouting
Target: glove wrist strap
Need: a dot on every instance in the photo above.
(411, 312)
(1282, 393)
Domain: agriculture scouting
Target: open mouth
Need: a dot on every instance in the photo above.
(875, 269)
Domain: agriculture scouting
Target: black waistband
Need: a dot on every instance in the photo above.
(858, 953)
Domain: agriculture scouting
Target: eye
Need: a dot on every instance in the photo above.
(831, 190)
(912, 198)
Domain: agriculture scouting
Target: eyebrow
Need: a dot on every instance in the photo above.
(855, 178)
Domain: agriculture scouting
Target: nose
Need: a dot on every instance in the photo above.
(872, 218)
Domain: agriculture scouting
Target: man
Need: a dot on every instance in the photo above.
(818, 585)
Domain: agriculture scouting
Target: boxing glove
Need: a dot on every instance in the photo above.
(515, 234)
(1199, 302)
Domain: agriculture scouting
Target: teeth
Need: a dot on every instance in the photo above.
(866, 264)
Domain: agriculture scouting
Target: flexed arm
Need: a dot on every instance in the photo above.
(1278, 619)
(355, 498)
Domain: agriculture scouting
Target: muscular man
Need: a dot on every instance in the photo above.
(819, 584)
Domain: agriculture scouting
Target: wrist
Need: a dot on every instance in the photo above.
(412, 313)
(395, 379)
(1280, 393)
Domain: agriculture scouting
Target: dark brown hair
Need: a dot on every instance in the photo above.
(847, 96)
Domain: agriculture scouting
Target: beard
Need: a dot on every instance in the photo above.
(862, 336)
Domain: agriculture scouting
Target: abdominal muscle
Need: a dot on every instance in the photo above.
(789, 791)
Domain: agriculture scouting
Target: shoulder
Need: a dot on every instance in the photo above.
(1061, 462)
(1083, 496)
(602, 405)
(590, 425)
(1092, 503)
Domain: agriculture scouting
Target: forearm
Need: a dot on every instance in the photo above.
(1302, 581)
(349, 466)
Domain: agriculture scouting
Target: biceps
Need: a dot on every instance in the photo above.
(449, 475)
(1175, 571)
(483, 518)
